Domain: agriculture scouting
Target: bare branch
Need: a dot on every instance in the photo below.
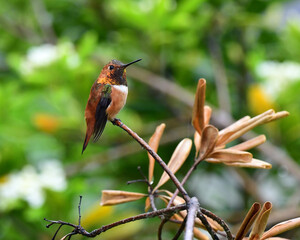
(218, 220)
(206, 224)
(79, 211)
(161, 225)
(192, 211)
(80, 230)
(180, 230)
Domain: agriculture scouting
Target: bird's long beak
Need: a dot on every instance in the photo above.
(126, 65)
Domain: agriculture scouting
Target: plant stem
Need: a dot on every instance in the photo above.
(190, 222)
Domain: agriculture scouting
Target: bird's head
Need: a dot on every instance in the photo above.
(115, 72)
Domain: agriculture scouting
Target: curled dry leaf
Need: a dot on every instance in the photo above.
(197, 142)
(279, 115)
(208, 141)
(243, 126)
(247, 128)
(113, 197)
(199, 235)
(261, 222)
(154, 143)
(147, 204)
(225, 133)
(278, 238)
(250, 143)
(198, 109)
(255, 163)
(248, 221)
(230, 156)
(207, 114)
(281, 227)
(178, 158)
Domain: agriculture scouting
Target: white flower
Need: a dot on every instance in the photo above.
(46, 54)
(29, 184)
(278, 76)
(52, 176)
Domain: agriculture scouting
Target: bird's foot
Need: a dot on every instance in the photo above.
(116, 121)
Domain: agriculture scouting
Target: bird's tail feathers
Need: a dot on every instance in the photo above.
(86, 142)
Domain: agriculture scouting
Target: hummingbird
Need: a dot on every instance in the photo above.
(107, 97)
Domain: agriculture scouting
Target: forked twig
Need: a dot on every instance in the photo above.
(80, 230)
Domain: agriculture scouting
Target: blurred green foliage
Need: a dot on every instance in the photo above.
(52, 51)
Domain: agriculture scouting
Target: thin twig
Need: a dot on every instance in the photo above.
(136, 180)
(219, 221)
(180, 230)
(79, 211)
(56, 232)
(59, 222)
(206, 224)
(192, 211)
(145, 178)
(160, 228)
(188, 174)
(150, 188)
(152, 203)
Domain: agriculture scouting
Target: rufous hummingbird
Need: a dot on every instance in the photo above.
(108, 96)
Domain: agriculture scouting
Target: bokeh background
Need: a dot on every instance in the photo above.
(52, 51)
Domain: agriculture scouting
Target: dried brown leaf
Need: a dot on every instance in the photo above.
(244, 126)
(147, 204)
(177, 217)
(225, 133)
(255, 163)
(279, 115)
(212, 160)
(208, 140)
(199, 235)
(113, 197)
(154, 143)
(248, 221)
(258, 120)
(231, 156)
(278, 238)
(207, 114)
(250, 143)
(261, 222)
(198, 109)
(197, 142)
(281, 227)
(178, 158)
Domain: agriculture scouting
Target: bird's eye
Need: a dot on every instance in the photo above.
(111, 67)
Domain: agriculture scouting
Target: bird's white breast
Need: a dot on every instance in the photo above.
(118, 100)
